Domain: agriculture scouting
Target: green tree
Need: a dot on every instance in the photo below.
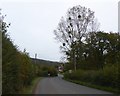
(9, 65)
(102, 48)
(17, 69)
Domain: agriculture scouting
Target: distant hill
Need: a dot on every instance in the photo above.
(45, 62)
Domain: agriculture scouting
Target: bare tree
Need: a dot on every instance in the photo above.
(71, 29)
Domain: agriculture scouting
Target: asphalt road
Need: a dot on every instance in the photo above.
(56, 85)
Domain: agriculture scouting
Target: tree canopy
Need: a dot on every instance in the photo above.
(72, 30)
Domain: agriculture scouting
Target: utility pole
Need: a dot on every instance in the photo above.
(119, 17)
(35, 57)
(35, 63)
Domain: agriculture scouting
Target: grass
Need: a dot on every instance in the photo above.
(109, 89)
(29, 89)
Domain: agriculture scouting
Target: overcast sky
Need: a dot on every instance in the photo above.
(33, 22)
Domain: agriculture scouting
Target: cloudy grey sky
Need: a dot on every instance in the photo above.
(33, 22)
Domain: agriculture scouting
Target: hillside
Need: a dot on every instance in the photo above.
(45, 62)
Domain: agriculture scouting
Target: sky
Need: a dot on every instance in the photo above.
(33, 22)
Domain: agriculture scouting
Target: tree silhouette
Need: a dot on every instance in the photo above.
(73, 28)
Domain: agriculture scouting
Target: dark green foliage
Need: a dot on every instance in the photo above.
(99, 61)
(9, 65)
(97, 50)
(45, 70)
(93, 56)
(16, 67)
(44, 62)
(108, 76)
(18, 70)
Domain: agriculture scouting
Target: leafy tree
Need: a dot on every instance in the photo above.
(113, 48)
(95, 48)
(101, 49)
(9, 65)
(16, 66)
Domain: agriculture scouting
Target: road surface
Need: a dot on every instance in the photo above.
(56, 85)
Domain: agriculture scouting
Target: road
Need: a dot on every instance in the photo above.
(56, 85)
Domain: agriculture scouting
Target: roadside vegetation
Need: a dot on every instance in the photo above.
(93, 56)
(104, 79)
(30, 89)
(18, 70)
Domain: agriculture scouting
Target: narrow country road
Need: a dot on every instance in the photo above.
(56, 85)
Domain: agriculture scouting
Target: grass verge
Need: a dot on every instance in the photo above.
(109, 89)
(29, 89)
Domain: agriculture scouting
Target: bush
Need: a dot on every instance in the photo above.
(17, 68)
(108, 76)
(44, 70)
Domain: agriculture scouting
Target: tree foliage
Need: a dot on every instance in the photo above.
(16, 66)
(84, 46)
(18, 70)
(94, 54)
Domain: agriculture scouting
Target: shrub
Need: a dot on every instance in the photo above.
(108, 76)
